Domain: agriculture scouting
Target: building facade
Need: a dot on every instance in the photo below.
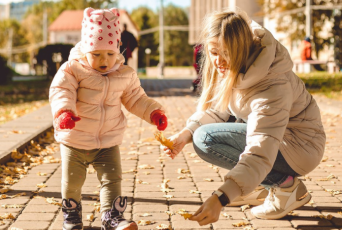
(199, 8)
(16, 10)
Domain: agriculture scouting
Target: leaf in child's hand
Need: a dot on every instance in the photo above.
(164, 141)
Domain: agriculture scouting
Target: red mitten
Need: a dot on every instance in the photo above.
(159, 119)
(67, 120)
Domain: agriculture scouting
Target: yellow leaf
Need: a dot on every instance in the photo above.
(186, 215)
(208, 179)
(145, 222)
(41, 174)
(168, 196)
(52, 200)
(164, 227)
(90, 217)
(145, 215)
(182, 171)
(146, 166)
(240, 224)
(244, 207)
(41, 185)
(159, 136)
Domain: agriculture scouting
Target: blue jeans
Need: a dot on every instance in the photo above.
(222, 143)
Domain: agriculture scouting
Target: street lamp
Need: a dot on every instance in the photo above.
(161, 40)
(147, 52)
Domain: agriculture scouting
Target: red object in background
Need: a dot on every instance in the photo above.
(159, 119)
(305, 51)
(67, 120)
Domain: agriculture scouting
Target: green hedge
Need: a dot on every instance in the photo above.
(322, 81)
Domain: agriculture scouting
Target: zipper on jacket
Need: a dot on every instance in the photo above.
(103, 111)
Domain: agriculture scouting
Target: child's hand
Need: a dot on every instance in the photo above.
(179, 141)
(159, 119)
(67, 120)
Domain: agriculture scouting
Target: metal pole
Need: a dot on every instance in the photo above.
(161, 40)
(10, 44)
(45, 27)
(308, 28)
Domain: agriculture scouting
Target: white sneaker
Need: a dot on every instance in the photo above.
(256, 197)
(281, 201)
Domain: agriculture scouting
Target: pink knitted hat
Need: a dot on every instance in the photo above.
(100, 30)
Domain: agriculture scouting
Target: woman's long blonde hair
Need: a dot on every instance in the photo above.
(235, 38)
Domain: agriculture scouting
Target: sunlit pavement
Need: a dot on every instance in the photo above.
(158, 204)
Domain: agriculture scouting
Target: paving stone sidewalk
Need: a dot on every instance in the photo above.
(143, 186)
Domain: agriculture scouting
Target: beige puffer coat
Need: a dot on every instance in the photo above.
(280, 114)
(97, 100)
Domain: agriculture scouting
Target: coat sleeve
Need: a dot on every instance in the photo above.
(137, 102)
(266, 126)
(63, 91)
(200, 118)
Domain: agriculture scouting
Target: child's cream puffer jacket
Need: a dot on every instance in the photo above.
(97, 100)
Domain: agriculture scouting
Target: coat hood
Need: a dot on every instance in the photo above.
(76, 54)
(273, 59)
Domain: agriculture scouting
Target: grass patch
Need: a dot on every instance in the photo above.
(20, 98)
(24, 91)
(323, 83)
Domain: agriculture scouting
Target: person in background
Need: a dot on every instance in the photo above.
(305, 53)
(129, 43)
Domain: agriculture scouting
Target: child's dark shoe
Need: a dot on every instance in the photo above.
(72, 213)
(114, 219)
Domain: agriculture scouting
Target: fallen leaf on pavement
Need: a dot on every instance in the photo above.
(208, 179)
(145, 222)
(244, 207)
(240, 224)
(90, 217)
(183, 171)
(53, 201)
(41, 185)
(169, 196)
(41, 174)
(227, 215)
(147, 166)
(164, 227)
(194, 192)
(145, 215)
(327, 217)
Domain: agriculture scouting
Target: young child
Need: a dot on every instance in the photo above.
(86, 96)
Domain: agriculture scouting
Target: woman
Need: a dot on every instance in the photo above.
(248, 74)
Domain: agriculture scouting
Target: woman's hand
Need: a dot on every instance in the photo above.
(179, 141)
(209, 212)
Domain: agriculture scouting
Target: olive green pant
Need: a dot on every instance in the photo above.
(106, 162)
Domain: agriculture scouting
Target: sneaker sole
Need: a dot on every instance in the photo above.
(292, 207)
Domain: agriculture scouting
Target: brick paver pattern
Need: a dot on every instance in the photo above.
(143, 186)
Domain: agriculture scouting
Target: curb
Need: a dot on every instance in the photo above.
(18, 133)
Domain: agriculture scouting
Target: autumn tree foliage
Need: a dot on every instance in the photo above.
(294, 23)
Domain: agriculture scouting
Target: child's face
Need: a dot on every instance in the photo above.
(101, 60)
(217, 58)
